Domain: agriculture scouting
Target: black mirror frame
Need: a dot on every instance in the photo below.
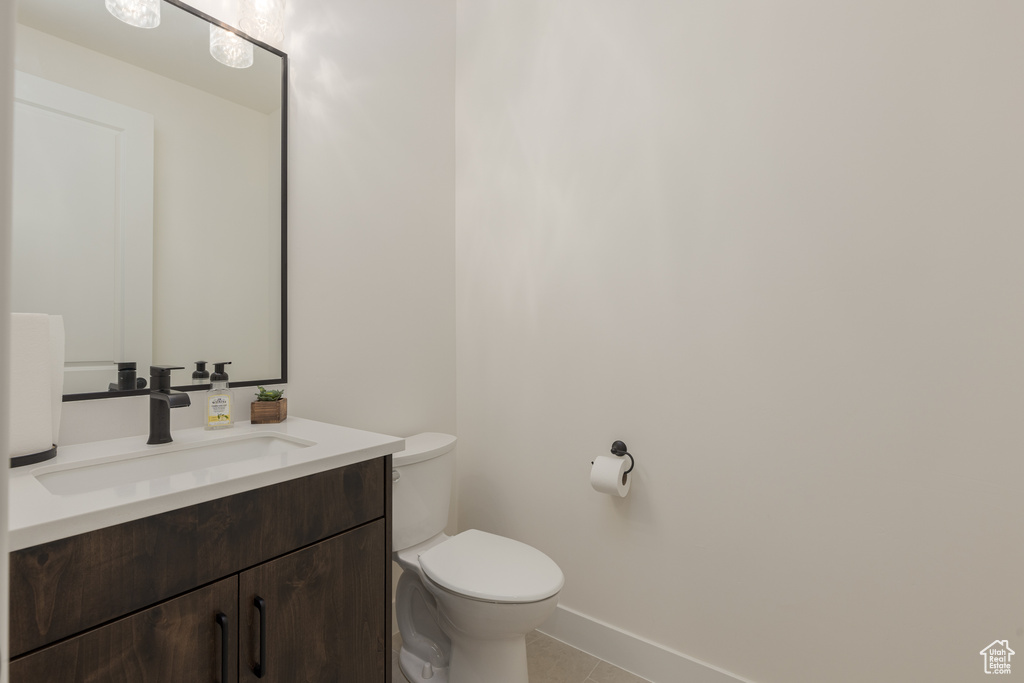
(143, 372)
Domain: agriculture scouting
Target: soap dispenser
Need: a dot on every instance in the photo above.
(201, 375)
(219, 401)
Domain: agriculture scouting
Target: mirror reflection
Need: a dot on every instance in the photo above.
(148, 184)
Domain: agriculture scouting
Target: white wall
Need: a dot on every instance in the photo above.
(371, 271)
(775, 248)
(6, 125)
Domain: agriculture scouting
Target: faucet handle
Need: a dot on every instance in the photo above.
(126, 378)
(163, 370)
(161, 377)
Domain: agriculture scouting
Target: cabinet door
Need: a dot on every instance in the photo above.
(323, 613)
(180, 640)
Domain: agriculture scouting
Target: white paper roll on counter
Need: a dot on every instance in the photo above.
(31, 412)
(608, 475)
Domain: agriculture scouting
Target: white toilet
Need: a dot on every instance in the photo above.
(466, 602)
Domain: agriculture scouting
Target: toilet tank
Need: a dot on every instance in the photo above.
(421, 481)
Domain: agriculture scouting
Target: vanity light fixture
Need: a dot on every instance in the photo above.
(229, 48)
(263, 20)
(141, 13)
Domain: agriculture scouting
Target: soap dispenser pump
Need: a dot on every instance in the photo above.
(219, 400)
(201, 375)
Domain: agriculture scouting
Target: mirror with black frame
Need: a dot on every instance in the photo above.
(149, 186)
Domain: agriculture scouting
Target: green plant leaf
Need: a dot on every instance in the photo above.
(269, 394)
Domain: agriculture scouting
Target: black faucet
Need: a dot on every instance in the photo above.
(161, 400)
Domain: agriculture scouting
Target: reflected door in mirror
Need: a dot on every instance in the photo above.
(83, 224)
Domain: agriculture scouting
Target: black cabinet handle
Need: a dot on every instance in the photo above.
(222, 621)
(260, 667)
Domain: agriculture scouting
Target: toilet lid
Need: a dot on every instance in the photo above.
(493, 568)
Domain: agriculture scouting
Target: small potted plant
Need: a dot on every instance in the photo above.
(269, 406)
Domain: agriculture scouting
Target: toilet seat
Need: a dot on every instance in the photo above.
(491, 568)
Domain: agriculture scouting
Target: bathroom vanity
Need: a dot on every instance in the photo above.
(274, 567)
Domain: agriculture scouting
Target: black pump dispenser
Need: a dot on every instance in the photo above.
(218, 373)
(201, 375)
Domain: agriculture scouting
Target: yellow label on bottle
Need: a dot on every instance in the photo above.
(218, 409)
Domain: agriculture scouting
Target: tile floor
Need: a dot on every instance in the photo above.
(550, 661)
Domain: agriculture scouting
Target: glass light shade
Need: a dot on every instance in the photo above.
(230, 49)
(141, 13)
(263, 20)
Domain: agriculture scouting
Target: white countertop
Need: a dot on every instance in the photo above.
(38, 515)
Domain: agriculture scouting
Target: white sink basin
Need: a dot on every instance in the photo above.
(158, 462)
(94, 485)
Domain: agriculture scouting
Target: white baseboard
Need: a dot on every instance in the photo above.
(628, 651)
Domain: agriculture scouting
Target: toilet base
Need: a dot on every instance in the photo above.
(414, 669)
(476, 660)
(472, 661)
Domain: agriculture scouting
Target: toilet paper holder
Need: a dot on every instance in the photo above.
(619, 449)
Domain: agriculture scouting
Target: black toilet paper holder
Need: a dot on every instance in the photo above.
(619, 449)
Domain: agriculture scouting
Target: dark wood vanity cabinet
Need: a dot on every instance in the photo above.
(178, 597)
(177, 640)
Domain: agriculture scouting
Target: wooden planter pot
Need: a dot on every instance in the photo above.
(269, 412)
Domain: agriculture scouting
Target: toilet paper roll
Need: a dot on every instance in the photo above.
(31, 412)
(608, 475)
